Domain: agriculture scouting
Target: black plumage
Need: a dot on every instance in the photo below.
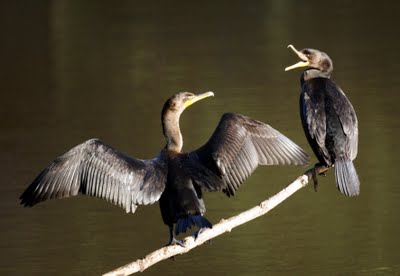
(238, 145)
(329, 120)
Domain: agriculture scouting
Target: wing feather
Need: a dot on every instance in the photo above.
(314, 123)
(238, 145)
(347, 117)
(98, 170)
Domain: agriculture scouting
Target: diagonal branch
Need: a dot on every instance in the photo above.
(225, 225)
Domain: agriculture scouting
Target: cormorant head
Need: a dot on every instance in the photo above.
(314, 59)
(178, 102)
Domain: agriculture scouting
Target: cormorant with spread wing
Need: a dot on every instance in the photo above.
(328, 118)
(238, 145)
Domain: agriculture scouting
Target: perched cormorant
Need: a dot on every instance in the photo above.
(328, 118)
(238, 145)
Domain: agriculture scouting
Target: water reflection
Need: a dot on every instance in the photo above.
(73, 70)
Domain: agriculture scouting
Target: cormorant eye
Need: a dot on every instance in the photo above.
(307, 53)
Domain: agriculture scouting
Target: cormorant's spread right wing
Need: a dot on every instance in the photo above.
(238, 145)
(96, 169)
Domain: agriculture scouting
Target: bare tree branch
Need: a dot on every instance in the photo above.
(225, 225)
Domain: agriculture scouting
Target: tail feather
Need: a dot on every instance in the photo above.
(185, 223)
(346, 178)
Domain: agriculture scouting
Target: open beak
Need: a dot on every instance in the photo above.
(304, 60)
(198, 98)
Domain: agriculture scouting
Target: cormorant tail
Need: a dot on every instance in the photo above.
(186, 222)
(346, 178)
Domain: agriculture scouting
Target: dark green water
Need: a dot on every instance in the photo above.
(73, 70)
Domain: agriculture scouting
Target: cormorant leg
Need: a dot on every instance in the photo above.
(314, 178)
(319, 169)
(322, 168)
(172, 239)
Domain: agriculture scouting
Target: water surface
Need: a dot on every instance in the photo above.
(73, 70)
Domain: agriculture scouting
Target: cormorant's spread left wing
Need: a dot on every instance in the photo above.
(96, 169)
(238, 145)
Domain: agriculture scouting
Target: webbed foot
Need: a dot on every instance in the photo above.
(175, 241)
(197, 233)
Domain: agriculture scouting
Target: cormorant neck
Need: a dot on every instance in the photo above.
(171, 130)
(313, 73)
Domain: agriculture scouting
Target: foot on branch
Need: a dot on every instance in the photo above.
(318, 169)
(175, 241)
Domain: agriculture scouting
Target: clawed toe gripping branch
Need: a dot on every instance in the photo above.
(312, 173)
(225, 225)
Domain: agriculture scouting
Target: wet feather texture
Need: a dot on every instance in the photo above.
(96, 169)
